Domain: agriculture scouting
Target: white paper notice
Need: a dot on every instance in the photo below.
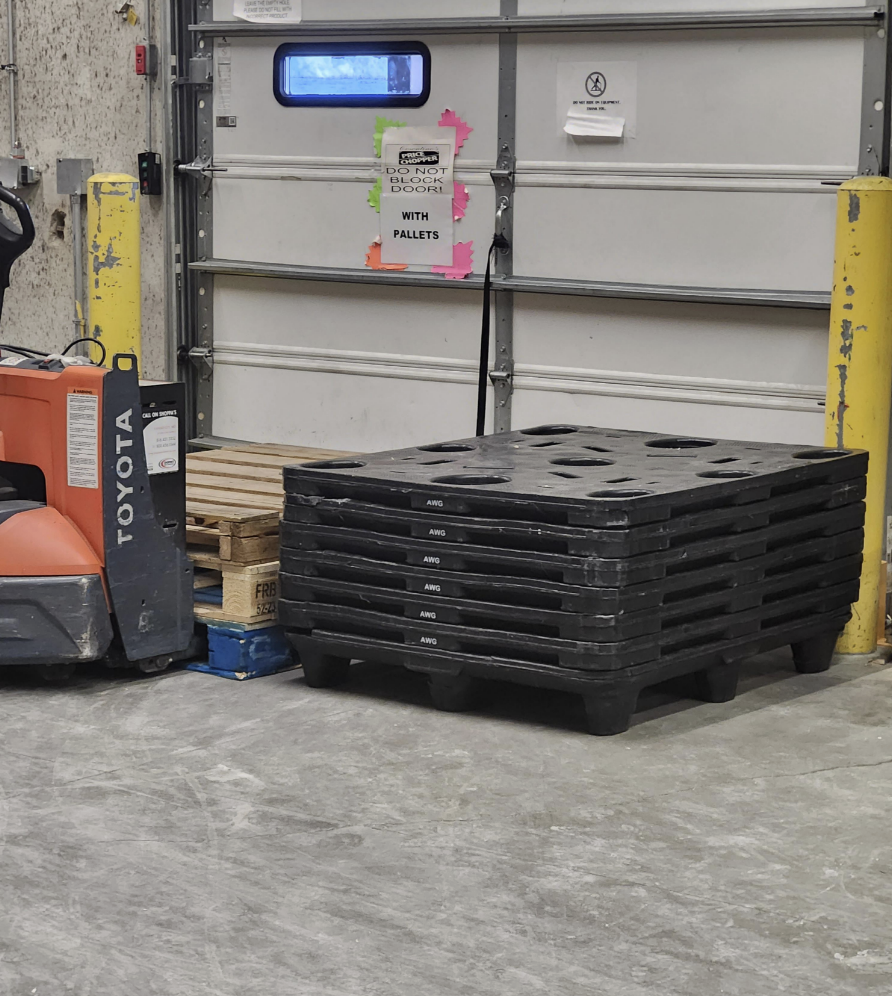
(597, 99)
(419, 161)
(161, 434)
(417, 221)
(417, 228)
(268, 11)
(223, 77)
(591, 125)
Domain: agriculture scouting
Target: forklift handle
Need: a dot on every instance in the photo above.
(13, 243)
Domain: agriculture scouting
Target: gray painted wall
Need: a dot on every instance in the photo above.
(79, 97)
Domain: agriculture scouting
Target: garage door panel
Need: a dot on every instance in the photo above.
(675, 418)
(727, 182)
(337, 411)
(316, 223)
(378, 10)
(464, 77)
(552, 7)
(766, 97)
(331, 317)
(720, 239)
(776, 345)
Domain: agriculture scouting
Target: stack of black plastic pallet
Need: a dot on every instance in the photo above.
(586, 559)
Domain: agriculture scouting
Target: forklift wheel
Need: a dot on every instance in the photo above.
(56, 674)
(155, 665)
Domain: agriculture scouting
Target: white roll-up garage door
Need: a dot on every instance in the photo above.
(673, 277)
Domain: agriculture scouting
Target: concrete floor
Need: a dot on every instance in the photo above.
(187, 835)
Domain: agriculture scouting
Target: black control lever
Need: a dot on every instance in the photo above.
(13, 242)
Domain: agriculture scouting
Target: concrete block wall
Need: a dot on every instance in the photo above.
(79, 97)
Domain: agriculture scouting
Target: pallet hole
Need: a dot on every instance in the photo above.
(726, 474)
(820, 454)
(560, 473)
(447, 448)
(680, 443)
(726, 460)
(472, 479)
(621, 493)
(550, 430)
(575, 461)
(623, 480)
(334, 465)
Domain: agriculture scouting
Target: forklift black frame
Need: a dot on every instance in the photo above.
(383, 48)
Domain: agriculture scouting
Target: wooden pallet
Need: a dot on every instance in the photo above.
(234, 503)
(235, 496)
(250, 592)
(248, 476)
(233, 535)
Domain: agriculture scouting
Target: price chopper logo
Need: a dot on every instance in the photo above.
(420, 157)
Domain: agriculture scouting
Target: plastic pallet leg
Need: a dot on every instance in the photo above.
(815, 654)
(324, 670)
(610, 710)
(719, 683)
(458, 693)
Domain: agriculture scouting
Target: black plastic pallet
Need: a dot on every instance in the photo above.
(574, 475)
(568, 598)
(567, 625)
(482, 643)
(570, 540)
(610, 697)
(589, 571)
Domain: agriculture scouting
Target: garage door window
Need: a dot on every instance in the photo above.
(389, 74)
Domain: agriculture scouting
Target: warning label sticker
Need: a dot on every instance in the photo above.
(83, 441)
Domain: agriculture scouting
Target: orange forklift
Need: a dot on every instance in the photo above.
(93, 561)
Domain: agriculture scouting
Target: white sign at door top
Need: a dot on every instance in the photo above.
(597, 99)
(419, 161)
(268, 11)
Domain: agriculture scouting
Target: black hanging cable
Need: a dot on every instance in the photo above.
(94, 342)
(499, 242)
(22, 351)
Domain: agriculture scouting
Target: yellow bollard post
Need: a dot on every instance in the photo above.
(859, 381)
(114, 269)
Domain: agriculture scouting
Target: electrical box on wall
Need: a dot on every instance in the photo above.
(150, 174)
(146, 60)
(16, 173)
